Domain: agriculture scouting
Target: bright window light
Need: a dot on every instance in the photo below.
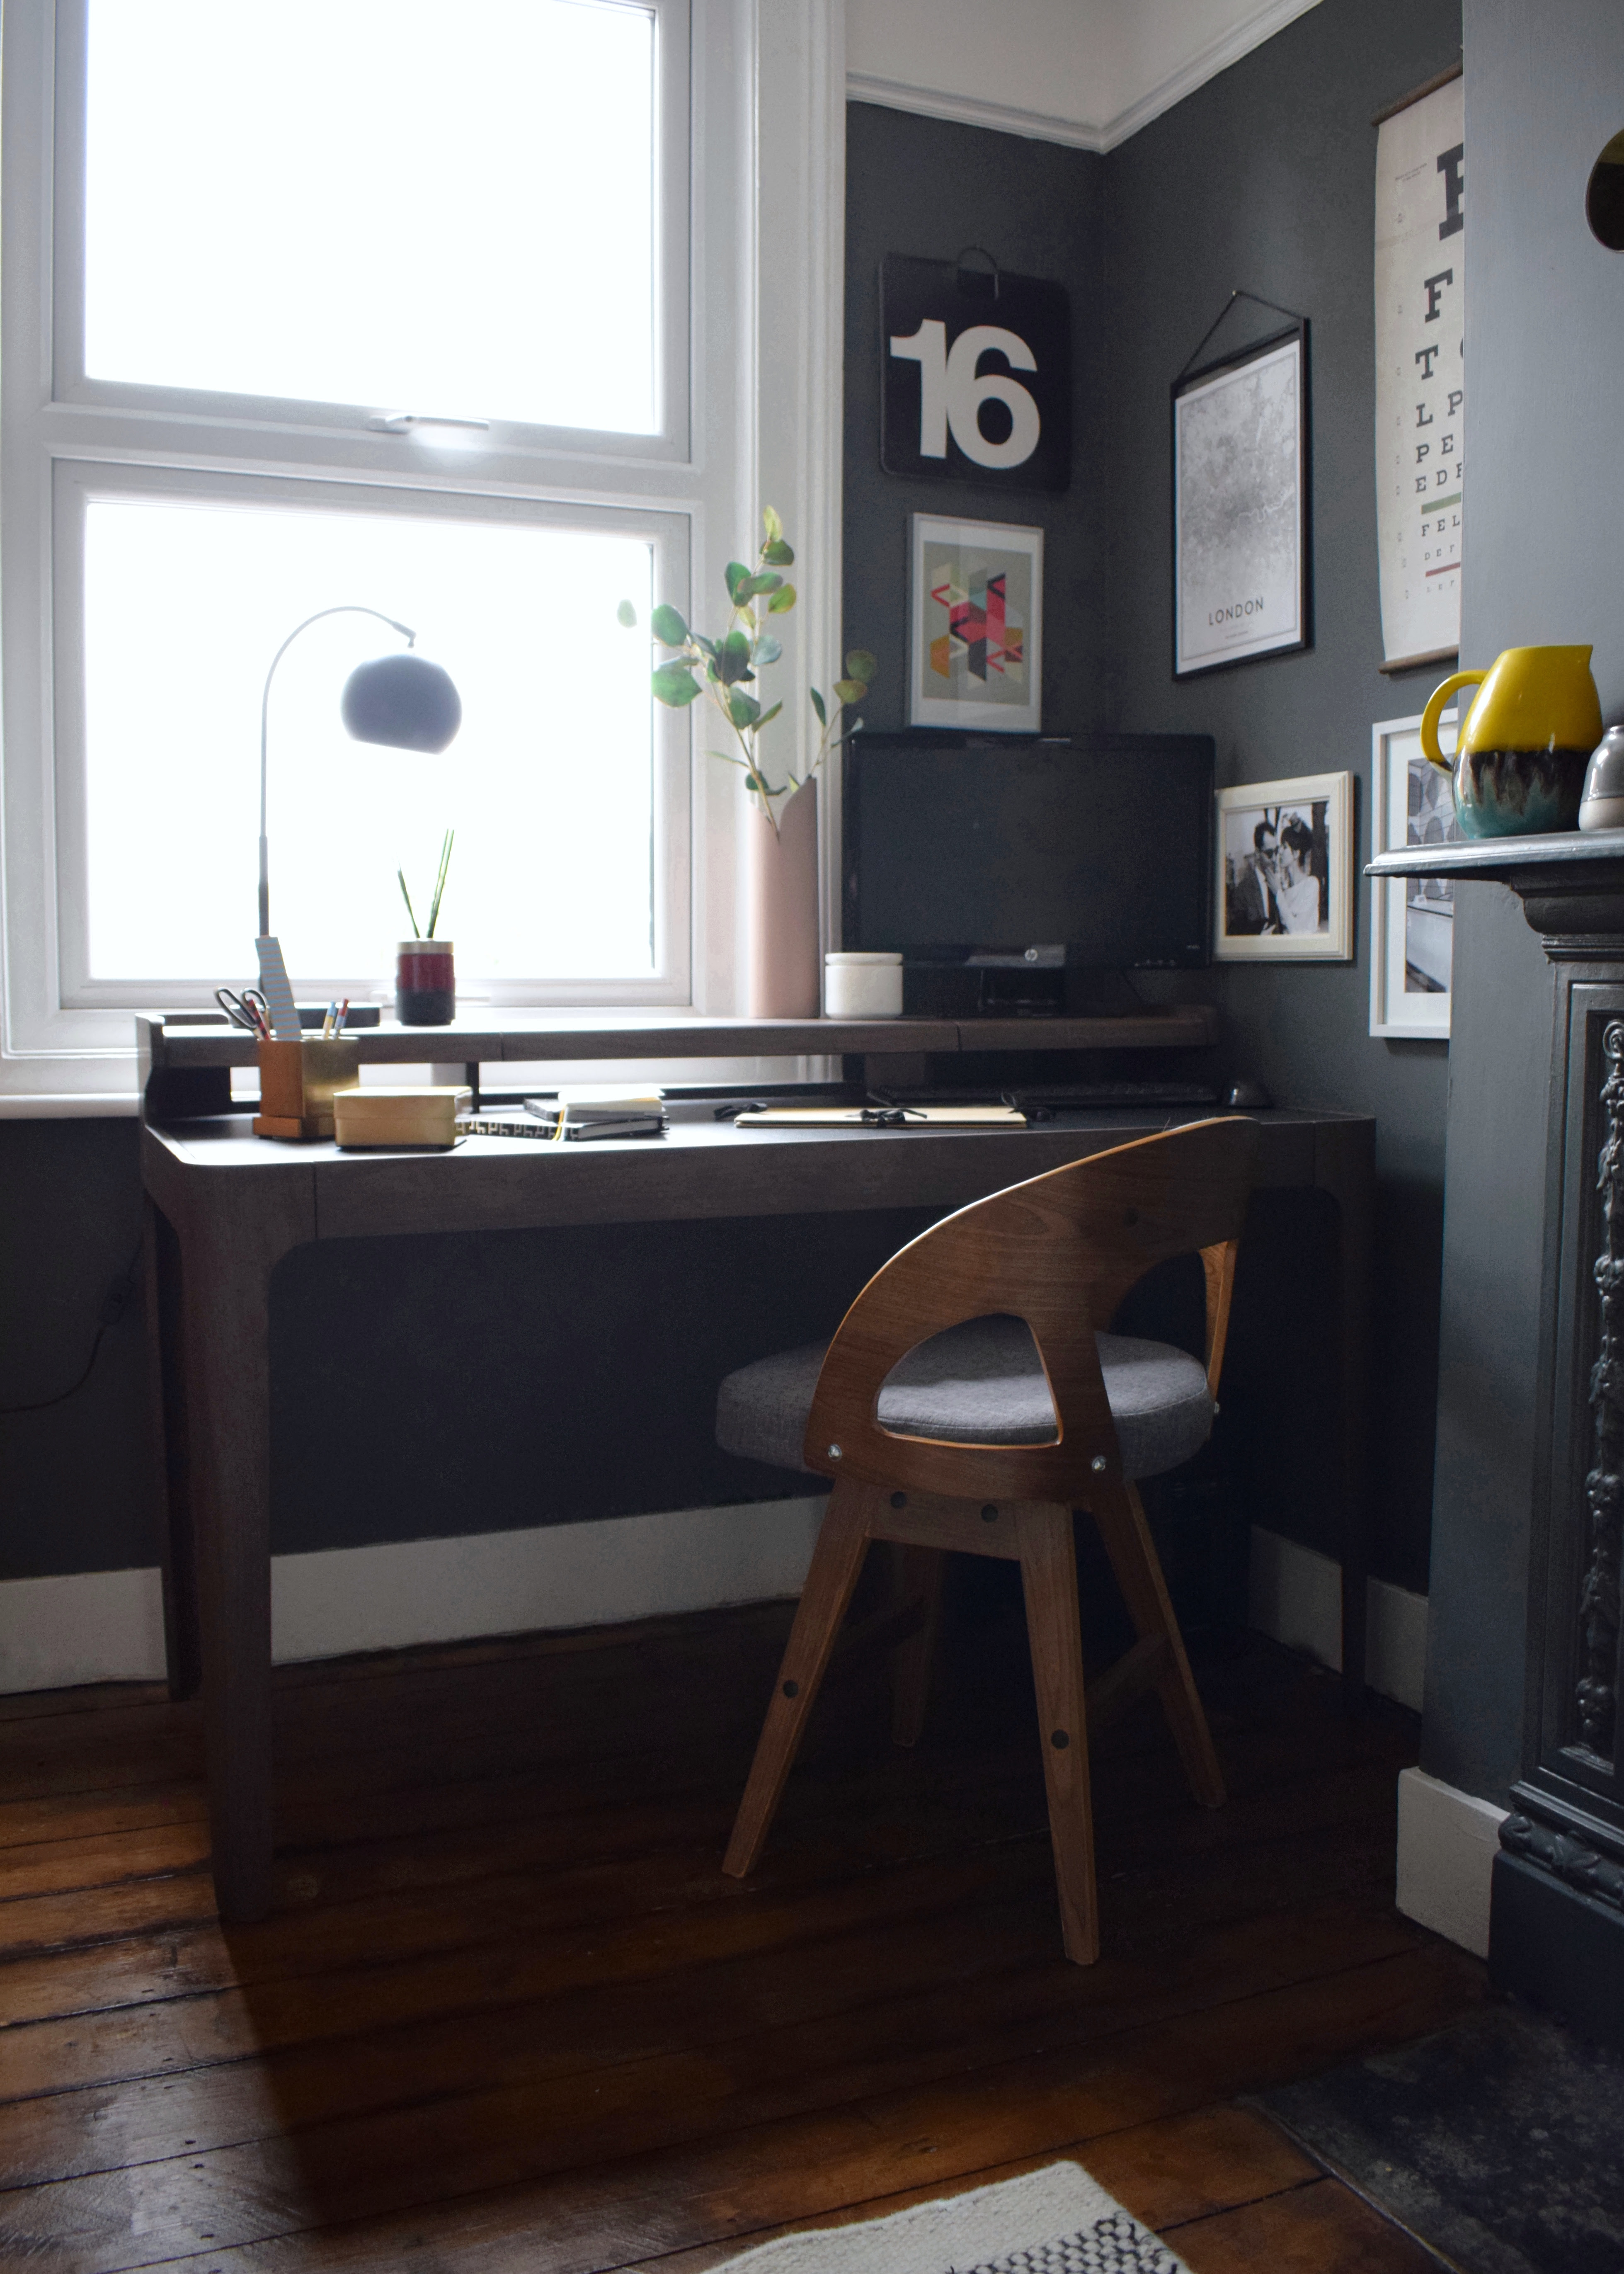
(549, 785)
(396, 204)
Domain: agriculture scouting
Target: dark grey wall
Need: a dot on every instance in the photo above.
(76, 1485)
(420, 1388)
(1265, 178)
(922, 186)
(1545, 347)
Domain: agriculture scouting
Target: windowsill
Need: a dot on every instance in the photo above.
(71, 1106)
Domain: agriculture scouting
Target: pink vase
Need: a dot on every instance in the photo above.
(781, 946)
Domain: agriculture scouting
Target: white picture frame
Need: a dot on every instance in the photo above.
(1285, 861)
(993, 684)
(1411, 918)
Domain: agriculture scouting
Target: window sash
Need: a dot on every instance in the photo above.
(76, 484)
(283, 422)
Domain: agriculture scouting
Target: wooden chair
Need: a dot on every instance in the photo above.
(977, 1441)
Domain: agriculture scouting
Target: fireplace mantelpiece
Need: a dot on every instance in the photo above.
(1557, 1930)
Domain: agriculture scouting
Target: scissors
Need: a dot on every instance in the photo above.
(249, 1009)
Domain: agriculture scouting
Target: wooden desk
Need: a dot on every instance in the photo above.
(237, 1205)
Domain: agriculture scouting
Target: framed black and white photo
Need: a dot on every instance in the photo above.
(1412, 918)
(1285, 871)
(1240, 507)
(975, 619)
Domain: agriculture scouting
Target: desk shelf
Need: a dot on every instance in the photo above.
(183, 1056)
(169, 1043)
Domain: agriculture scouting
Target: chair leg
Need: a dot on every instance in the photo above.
(1126, 1534)
(837, 1561)
(1049, 1580)
(918, 1573)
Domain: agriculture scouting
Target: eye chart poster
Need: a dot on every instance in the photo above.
(1420, 386)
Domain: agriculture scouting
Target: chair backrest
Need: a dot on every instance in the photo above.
(1059, 1250)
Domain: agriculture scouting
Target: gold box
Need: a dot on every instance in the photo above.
(420, 1116)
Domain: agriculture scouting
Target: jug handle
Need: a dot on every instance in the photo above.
(1433, 712)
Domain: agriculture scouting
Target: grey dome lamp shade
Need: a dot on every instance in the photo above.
(404, 701)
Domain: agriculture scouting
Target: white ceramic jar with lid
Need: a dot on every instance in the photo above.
(1602, 805)
(862, 984)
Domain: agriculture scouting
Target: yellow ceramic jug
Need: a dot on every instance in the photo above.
(1521, 754)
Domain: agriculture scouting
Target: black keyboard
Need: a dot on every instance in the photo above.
(1120, 1093)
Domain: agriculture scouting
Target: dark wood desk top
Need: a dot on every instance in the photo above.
(701, 1167)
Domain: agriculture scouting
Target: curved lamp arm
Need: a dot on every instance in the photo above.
(344, 608)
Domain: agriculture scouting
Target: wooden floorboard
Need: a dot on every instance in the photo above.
(508, 2014)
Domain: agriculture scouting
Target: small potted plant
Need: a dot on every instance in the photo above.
(425, 967)
(781, 845)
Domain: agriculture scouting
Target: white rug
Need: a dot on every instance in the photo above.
(1055, 2221)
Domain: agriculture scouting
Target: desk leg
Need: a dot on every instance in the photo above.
(166, 1380)
(1345, 1167)
(228, 1251)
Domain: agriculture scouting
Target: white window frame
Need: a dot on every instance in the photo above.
(751, 395)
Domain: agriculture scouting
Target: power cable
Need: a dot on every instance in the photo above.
(113, 1305)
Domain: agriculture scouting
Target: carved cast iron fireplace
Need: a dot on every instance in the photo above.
(1557, 1931)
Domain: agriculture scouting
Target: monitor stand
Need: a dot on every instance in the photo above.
(1017, 991)
(1005, 991)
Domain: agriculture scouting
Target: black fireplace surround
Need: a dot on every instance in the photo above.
(1557, 1923)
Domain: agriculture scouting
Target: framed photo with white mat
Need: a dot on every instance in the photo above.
(975, 625)
(1411, 918)
(1285, 871)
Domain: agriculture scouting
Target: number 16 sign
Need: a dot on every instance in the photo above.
(975, 375)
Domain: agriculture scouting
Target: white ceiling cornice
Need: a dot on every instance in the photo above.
(1118, 63)
(968, 110)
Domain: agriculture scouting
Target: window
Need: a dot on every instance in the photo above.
(346, 218)
(426, 305)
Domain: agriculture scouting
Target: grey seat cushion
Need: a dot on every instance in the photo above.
(981, 1384)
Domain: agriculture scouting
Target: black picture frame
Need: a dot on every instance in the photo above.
(1027, 350)
(1241, 525)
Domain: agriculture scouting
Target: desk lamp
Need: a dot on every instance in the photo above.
(403, 702)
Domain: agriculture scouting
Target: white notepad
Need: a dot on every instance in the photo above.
(869, 1116)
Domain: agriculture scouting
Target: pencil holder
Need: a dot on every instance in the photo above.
(425, 982)
(297, 1082)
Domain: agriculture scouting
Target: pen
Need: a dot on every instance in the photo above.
(343, 1013)
(327, 1027)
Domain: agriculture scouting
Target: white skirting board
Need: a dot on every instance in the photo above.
(107, 1626)
(1296, 1595)
(1447, 1841)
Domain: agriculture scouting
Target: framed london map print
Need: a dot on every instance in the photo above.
(1240, 507)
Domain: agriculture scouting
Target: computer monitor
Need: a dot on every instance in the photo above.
(1079, 850)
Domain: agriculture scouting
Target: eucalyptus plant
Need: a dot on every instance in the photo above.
(727, 668)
